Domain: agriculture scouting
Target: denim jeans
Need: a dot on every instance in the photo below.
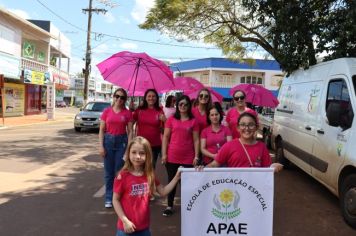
(145, 232)
(115, 146)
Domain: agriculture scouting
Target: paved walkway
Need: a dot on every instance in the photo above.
(60, 115)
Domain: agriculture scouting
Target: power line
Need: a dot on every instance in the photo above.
(125, 38)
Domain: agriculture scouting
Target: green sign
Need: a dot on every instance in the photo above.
(28, 50)
(41, 56)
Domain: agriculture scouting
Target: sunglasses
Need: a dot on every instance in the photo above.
(247, 126)
(238, 98)
(119, 97)
(182, 104)
(206, 96)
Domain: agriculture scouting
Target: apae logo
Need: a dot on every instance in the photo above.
(226, 204)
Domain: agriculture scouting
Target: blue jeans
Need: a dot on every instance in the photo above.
(145, 232)
(115, 146)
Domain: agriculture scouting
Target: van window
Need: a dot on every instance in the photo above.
(338, 99)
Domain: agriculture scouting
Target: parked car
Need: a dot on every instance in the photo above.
(61, 104)
(89, 116)
(313, 127)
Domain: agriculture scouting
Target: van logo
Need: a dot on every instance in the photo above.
(339, 149)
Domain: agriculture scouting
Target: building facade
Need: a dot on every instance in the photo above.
(222, 74)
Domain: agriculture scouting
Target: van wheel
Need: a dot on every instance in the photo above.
(348, 200)
(280, 158)
(77, 129)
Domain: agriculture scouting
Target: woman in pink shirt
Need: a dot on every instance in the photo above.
(245, 151)
(234, 112)
(213, 137)
(114, 134)
(149, 117)
(201, 106)
(180, 144)
(169, 108)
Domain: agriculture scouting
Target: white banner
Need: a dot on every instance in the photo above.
(227, 201)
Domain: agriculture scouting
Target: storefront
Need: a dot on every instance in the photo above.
(35, 87)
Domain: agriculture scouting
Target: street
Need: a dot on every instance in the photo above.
(52, 179)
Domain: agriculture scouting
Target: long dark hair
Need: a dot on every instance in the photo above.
(210, 101)
(145, 104)
(169, 101)
(189, 112)
(218, 108)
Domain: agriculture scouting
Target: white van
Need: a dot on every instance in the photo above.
(313, 127)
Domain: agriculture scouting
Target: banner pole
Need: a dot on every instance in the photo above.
(2, 91)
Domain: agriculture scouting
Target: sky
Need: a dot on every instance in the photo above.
(121, 20)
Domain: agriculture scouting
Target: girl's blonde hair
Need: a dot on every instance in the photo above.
(148, 167)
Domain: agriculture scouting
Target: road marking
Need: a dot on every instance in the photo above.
(100, 193)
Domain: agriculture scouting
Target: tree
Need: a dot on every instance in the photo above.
(291, 31)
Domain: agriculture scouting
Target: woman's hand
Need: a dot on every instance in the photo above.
(164, 159)
(277, 167)
(102, 152)
(129, 227)
(195, 161)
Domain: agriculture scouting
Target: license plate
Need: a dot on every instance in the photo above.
(88, 123)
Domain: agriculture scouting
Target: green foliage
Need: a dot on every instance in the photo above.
(294, 32)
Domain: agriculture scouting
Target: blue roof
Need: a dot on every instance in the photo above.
(225, 92)
(224, 63)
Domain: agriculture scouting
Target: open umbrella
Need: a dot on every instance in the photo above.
(136, 72)
(215, 96)
(257, 95)
(187, 84)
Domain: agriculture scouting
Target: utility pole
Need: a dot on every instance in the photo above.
(86, 71)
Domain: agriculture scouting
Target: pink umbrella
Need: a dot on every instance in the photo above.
(136, 72)
(216, 97)
(257, 95)
(187, 84)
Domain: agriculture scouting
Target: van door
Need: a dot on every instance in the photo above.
(335, 119)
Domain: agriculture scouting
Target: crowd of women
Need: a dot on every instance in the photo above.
(184, 133)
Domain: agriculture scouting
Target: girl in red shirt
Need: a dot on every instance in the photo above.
(245, 151)
(133, 187)
(201, 106)
(213, 137)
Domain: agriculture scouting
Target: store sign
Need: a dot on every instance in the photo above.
(36, 77)
(9, 66)
(51, 93)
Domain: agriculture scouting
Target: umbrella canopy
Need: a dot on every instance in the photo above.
(136, 72)
(215, 96)
(187, 84)
(257, 95)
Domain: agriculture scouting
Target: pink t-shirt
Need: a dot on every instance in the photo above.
(181, 143)
(233, 155)
(116, 123)
(232, 117)
(148, 125)
(200, 118)
(135, 199)
(214, 140)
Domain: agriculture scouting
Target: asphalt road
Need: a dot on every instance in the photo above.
(52, 178)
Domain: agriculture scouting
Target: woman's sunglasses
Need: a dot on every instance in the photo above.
(238, 98)
(206, 96)
(119, 97)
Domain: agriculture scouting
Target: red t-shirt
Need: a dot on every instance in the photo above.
(233, 155)
(116, 123)
(181, 143)
(214, 140)
(232, 117)
(200, 118)
(135, 199)
(148, 125)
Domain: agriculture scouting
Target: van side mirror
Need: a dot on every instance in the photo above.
(333, 113)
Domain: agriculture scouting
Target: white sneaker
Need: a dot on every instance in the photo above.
(108, 205)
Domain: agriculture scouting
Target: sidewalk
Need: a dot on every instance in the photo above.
(35, 119)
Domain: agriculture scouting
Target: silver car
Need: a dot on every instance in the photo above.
(89, 116)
